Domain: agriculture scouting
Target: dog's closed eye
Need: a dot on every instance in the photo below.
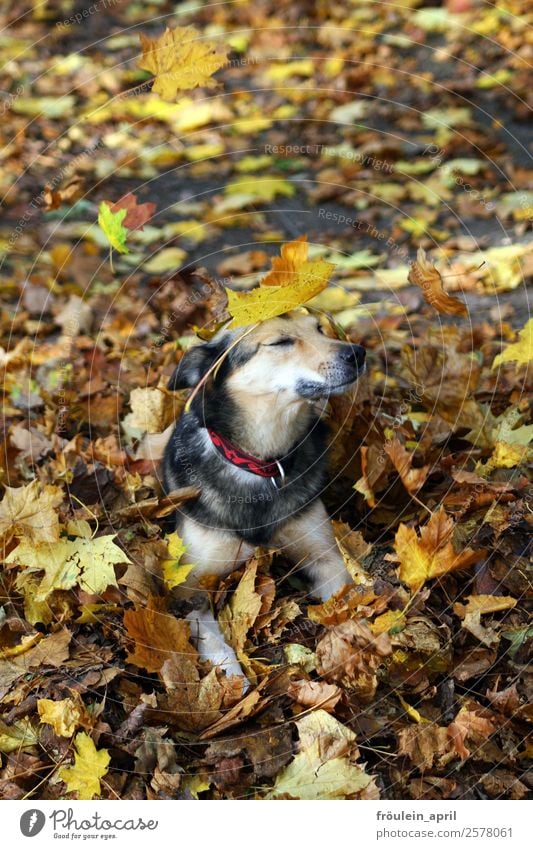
(285, 340)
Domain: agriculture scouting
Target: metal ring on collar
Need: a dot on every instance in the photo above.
(281, 474)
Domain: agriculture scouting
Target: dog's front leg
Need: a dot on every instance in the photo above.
(211, 645)
(211, 552)
(308, 540)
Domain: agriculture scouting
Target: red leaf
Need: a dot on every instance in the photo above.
(137, 215)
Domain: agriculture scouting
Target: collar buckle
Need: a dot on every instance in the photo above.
(281, 476)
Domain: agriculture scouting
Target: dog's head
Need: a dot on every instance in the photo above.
(290, 355)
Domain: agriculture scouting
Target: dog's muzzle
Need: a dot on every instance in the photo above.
(343, 371)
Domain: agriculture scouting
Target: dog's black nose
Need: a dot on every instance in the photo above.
(353, 354)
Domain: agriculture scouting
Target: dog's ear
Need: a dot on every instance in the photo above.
(193, 366)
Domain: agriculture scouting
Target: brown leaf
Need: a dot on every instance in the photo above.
(238, 616)
(267, 750)
(402, 460)
(506, 701)
(476, 606)
(432, 787)
(472, 663)
(424, 274)
(472, 727)
(50, 651)
(253, 702)
(350, 653)
(446, 379)
(504, 784)
(315, 694)
(137, 214)
(425, 744)
(157, 635)
(67, 194)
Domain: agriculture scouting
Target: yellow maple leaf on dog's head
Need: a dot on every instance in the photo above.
(431, 554)
(293, 281)
(284, 267)
(90, 765)
(180, 60)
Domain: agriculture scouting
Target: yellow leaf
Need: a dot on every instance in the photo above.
(392, 621)
(31, 512)
(180, 60)
(165, 260)
(65, 563)
(175, 574)
(198, 152)
(480, 604)
(322, 768)
(90, 765)
(111, 224)
(238, 616)
(504, 456)
(411, 711)
(152, 410)
(79, 528)
(286, 266)
(299, 68)
(432, 554)
(249, 164)
(292, 281)
(64, 716)
(521, 351)
(265, 189)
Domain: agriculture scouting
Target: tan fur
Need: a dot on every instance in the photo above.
(308, 541)
(274, 415)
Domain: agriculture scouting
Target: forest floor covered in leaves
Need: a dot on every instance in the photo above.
(374, 130)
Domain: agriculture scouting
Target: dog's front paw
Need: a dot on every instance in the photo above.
(323, 588)
(229, 665)
(211, 645)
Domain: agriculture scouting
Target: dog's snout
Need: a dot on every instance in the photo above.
(353, 354)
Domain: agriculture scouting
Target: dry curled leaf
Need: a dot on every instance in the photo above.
(350, 653)
(402, 460)
(157, 635)
(315, 694)
(65, 715)
(424, 274)
(327, 752)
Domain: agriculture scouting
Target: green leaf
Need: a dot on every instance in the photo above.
(111, 224)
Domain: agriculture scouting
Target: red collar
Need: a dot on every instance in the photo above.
(245, 461)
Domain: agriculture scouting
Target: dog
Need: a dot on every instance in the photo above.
(255, 443)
